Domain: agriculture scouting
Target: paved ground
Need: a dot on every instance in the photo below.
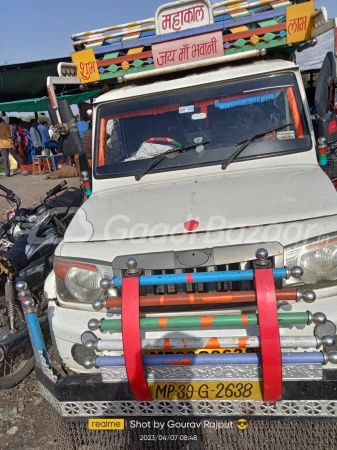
(24, 421)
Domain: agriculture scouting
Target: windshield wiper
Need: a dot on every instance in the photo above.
(160, 158)
(244, 144)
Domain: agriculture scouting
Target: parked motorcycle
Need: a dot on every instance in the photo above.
(56, 211)
(34, 235)
(59, 210)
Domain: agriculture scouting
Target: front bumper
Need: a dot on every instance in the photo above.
(80, 396)
(136, 384)
(308, 392)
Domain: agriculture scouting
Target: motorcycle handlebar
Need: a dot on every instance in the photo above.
(11, 197)
(56, 189)
(6, 191)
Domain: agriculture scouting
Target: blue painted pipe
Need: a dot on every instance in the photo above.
(36, 337)
(200, 277)
(193, 360)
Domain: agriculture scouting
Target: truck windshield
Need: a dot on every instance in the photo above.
(133, 131)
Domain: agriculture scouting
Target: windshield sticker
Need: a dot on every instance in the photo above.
(283, 135)
(186, 109)
(199, 116)
(245, 99)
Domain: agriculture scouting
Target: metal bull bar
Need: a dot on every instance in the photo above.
(268, 319)
(270, 362)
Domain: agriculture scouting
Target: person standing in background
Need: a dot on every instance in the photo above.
(15, 136)
(89, 112)
(43, 129)
(7, 146)
(36, 137)
(23, 141)
(87, 143)
(82, 126)
(16, 140)
(30, 149)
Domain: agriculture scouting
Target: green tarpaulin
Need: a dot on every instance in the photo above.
(27, 80)
(41, 104)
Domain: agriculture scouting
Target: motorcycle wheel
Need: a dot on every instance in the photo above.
(16, 365)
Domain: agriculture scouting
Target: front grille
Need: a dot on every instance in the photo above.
(200, 287)
(221, 259)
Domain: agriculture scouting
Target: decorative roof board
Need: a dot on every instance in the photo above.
(244, 25)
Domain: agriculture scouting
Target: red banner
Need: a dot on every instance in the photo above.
(183, 51)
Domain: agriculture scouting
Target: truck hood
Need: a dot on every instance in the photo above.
(225, 201)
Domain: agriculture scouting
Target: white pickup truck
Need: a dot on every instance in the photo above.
(273, 196)
(204, 171)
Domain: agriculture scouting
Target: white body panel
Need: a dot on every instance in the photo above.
(285, 233)
(241, 198)
(49, 286)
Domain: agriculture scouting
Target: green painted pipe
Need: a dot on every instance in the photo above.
(206, 321)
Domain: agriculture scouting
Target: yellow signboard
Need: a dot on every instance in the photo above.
(87, 69)
(299, 22)
(211, 390)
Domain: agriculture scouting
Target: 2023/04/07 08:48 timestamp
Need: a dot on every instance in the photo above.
(215, 390)
(168, 437)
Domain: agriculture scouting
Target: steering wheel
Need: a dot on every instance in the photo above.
(163, 140)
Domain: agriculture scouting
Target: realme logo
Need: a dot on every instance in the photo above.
(106, 424)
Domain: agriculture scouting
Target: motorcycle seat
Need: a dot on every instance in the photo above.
(71, 198)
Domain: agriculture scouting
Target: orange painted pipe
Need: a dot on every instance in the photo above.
(202, 299)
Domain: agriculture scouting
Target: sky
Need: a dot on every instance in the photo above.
(40, 29)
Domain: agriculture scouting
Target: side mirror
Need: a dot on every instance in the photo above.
(326, 77)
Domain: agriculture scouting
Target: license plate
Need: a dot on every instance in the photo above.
(202, 351)
(214, 390)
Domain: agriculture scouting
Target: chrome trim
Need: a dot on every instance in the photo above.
(204, 373)
(231, 254)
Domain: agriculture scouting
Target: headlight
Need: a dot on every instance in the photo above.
(79, 281)
(41, 210)
(83, 284)
(318, 259)
(43, 217)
